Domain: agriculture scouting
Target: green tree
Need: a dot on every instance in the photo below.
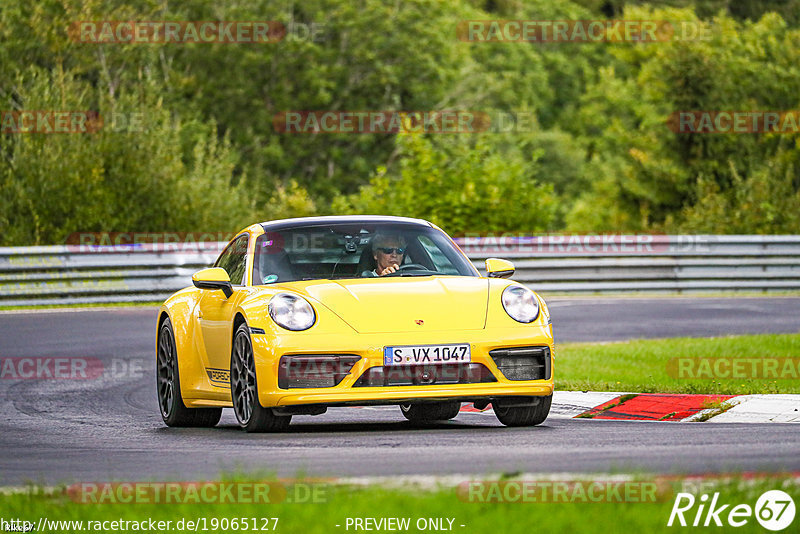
(162, 173)
(460, 184)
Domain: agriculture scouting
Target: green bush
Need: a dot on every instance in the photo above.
(599, 158)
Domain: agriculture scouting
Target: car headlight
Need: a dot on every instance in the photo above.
(291, 312)
(520, 304)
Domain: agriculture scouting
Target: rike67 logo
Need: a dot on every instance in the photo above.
(774, 510)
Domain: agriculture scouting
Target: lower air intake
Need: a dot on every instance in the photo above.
(523, 363)
(314, 370)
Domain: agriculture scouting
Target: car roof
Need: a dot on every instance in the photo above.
(283, 224)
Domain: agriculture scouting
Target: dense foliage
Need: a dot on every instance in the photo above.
(205, 154)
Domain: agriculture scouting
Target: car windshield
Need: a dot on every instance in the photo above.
(348, 250)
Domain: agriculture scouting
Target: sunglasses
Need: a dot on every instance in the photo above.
(386, 250)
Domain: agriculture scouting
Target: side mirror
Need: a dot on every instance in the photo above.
(213, 278)
(497, 268)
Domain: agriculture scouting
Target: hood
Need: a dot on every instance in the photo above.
(398, 304)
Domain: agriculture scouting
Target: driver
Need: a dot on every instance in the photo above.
(388, 251)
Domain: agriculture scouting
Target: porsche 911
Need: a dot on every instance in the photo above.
(299, 315)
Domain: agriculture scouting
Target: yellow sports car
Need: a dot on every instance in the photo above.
(298, 315)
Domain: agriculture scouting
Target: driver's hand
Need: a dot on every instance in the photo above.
(390, 269)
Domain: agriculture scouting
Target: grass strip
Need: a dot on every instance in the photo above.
(652, 366)
(457, 509)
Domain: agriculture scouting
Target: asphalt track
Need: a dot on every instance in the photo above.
(109, 428)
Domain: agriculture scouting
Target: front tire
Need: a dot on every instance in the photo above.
(251, 415)
(429, 412)
(168, 385)
(523, 415)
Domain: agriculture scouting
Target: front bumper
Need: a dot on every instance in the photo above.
(268, 349)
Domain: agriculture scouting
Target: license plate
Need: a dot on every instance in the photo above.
(426, 354)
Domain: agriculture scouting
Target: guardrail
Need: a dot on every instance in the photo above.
(677, 263)
(564, 264)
